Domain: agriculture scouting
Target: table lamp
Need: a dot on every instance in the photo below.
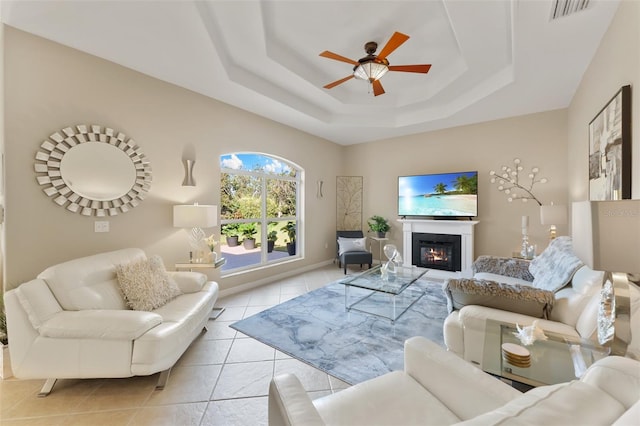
(196, 216)
(606, 237)
(553, 215)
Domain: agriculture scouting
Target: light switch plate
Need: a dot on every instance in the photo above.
(101, 226)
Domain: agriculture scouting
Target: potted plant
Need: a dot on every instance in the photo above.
(231, 232)
(272, 236)
(379, 225)
(248, 230)
(290, 229)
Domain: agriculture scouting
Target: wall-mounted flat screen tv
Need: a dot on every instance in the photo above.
(439, 195)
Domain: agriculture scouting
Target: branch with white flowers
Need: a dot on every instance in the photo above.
(509, 182)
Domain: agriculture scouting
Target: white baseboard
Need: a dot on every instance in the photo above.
(272, 278)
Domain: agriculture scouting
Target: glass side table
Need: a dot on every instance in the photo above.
(556, 360)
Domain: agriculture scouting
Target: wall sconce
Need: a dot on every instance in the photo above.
(188, 173)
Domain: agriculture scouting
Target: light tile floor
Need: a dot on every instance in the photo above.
(222, 379)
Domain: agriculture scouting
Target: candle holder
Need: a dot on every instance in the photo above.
(524, 251)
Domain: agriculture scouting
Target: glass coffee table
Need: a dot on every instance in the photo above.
(388, 297)
(556, 360)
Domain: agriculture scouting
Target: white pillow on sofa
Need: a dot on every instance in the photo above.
(351, 244)
(555, 266)
(145, 284)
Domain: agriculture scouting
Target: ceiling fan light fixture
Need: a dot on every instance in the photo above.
(370, 70)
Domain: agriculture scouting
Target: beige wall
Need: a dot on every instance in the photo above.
(537, 139)
(2, 177)
(615, 64)
(49, 87)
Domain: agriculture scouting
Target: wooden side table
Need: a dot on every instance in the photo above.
(194, 266)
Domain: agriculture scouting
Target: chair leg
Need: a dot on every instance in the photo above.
(163, 379)
(345, 269)
(47, 387)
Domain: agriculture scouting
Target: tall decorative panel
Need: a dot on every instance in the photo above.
(348, 203)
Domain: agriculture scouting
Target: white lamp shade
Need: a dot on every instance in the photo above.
(195, 216)
(553, 215)
(370, 70)
(606, 234)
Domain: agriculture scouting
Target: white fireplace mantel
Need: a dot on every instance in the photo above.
(464, 228)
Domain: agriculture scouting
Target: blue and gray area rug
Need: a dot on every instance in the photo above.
(352, 346)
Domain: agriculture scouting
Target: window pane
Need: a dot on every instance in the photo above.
(281, 198)
(240, 196)
(258, 203)
(256, 162)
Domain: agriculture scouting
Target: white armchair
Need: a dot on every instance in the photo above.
(438, 388)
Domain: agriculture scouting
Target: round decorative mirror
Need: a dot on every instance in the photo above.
(93, 170)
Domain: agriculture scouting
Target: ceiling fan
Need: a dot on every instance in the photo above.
(373, 67)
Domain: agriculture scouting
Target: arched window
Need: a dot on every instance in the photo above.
(259, 206)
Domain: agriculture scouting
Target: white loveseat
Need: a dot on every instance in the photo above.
(72, 321)
(515, 297)
(439, 388)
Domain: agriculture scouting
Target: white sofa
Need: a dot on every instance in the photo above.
(574, 313)
(438, 388)
(72, 321)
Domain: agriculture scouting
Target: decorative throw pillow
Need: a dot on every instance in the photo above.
(555, 266)
(145, 284)
(517, 298)
(351, 244)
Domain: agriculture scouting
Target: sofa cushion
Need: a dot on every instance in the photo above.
(573, 403)
(351, 244)
(488, 276)
(90, 282)
(555, 266)
(146, 284)
(571, 300)
(517, 298)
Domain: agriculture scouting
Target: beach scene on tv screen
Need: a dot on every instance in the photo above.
(447, 194)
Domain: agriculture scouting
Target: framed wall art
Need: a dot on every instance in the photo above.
(610, 149)
(349, 203)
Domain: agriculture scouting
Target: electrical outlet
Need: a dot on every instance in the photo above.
(326, 245)
(101, 226)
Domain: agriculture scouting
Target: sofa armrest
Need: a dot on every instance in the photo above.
(510, 267)
(617, 376)
(463, 388)
(189, 282)
(289, 404)
(99, 324)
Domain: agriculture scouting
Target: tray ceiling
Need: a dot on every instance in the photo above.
(491, 59)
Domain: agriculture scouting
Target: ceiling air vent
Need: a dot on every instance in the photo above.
(561, 8)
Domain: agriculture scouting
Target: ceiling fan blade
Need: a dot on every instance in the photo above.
(335, 56)
(377, 88)
(424, 68)
(394, 42)
(335, 83)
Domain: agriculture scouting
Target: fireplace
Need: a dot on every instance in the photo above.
(461, 228)
(437, 251)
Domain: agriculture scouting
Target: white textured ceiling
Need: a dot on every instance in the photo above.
(490, 58)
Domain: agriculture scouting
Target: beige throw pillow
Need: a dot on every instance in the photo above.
(145, 284)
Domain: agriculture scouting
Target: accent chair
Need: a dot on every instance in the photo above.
(351, 249)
